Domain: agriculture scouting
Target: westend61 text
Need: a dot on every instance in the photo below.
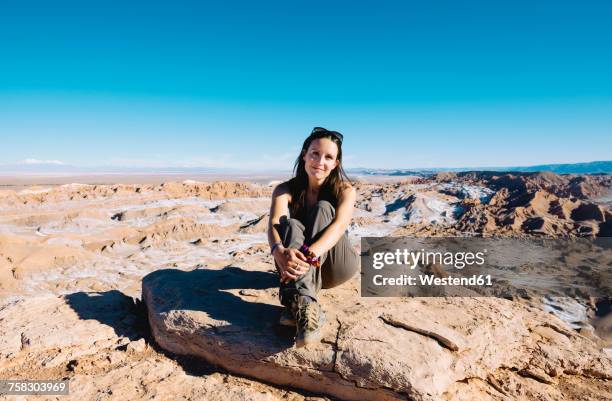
(414, 258)
(476, 280)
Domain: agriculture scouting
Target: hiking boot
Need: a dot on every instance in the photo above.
(310, 319)
(287, 317)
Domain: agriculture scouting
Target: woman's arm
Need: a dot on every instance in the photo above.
(278, 209)
(333, 232)
(291, 263)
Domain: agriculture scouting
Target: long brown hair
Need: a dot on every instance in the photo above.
(332, 186)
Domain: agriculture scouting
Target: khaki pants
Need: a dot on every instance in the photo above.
(337, 265)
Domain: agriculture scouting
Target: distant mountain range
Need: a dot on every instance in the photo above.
(599, 167)
(596, 167)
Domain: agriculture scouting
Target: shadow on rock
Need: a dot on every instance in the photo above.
(176, 299)
(112, 308)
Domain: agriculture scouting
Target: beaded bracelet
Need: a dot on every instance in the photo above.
(311, 258)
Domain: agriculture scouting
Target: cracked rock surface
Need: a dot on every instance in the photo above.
(382, 349)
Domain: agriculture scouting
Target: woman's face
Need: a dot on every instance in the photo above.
(321, 158)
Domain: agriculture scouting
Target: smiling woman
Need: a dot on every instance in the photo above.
(309, 216)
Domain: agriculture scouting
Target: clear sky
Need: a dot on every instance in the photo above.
(241, 84)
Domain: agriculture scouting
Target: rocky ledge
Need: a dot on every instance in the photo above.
(382, 349)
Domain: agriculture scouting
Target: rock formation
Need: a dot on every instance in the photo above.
(73, 258)
(418, 348)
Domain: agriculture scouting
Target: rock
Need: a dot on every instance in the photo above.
(150, 379)
(81, 337)
(588, 211)
(137, 346)
(447, 338)
(116, 357)
(258, 225)
(69, 272)
(372, 349)
(21, 325)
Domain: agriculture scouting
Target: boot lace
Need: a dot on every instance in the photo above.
(309, 316)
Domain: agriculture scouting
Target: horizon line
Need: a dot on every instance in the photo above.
(54, 167)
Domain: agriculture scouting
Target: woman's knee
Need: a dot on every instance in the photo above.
(290, 223)
(325, 205)
(295, 224)
(290, 230)
(324, 208)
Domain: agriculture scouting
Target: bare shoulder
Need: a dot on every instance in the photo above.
(348, 191)
(348, 188)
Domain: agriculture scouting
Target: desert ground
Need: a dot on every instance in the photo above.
(162, 287)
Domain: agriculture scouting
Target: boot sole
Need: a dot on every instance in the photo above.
(314, 338)
(311, 339)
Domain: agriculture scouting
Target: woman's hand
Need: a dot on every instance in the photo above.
(291, 263)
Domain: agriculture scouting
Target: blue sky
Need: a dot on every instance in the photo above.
(240, 84)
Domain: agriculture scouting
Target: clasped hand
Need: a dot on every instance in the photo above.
(291, 264)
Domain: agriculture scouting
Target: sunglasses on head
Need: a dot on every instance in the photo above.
(321, 130)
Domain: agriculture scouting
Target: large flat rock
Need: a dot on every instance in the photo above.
(94, 340)
(382, 349)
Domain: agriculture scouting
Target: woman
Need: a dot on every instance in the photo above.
(309, 216)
